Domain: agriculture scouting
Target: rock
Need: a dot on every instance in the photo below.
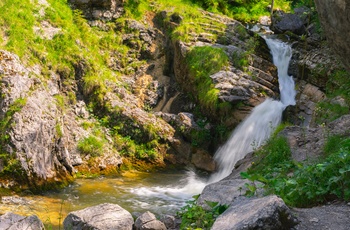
(243, 89)
(329, 216)
(334, 17)
(218, 192)
(46, 30)
(105, 10)
(307, 97)
(203, 160)
(148, 221)
(313, 64)
(100, 217)
(170, 222)
(283, 22)
(308, 143)
(13, 221)
(258, 213)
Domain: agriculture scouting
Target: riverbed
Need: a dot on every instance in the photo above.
(162, 192)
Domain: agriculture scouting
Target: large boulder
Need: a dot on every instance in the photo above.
(100, 217)
(218, 192)
(258, 213)
(283, 22)
(12, 221)
(334, 17)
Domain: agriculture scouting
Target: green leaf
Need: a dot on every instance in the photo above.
(211, 203)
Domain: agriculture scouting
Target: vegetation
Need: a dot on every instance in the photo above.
(204, 61)
(91, 145)
(303, 184)
(194, 216)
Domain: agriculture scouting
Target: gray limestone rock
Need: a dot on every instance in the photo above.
(11, 221)
(224, 192)
(100, 217)
(148, 221)
(256, 213)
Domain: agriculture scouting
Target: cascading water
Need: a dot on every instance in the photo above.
(259, 125)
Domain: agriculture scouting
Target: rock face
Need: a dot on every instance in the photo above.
(308, 143)
(35, 116)
(259, 213)
(148, 221)
(13, 221)
(246, 86)
(100, 217)
(334, 17)
(42, 133)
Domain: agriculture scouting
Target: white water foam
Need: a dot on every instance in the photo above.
(259, 125)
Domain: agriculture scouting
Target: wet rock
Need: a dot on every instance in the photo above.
(306, 100)
(103, 216)
(258, 213)
(203, 160)
(17, 222)
(148, 221)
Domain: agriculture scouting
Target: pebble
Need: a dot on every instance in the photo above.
(314, 220)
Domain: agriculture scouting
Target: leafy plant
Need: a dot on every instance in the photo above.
(303, 185)
(194, 216)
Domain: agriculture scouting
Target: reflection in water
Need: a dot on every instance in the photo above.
(159, 192)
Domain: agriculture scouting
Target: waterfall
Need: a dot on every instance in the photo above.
(264, 118)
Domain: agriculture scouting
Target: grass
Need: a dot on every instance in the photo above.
(202, 62)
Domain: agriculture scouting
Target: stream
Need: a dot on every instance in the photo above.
(159, 192)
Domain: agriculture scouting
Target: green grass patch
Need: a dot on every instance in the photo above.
(91, 145)
(202, 62)
(326, 112)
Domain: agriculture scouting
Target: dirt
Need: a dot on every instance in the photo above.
(332, 216)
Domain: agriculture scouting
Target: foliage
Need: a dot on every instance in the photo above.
(194, 216)
(243, 10)
(303, 185)
(326, 112)
(129, 148)
(337, 85)
(204, 61)
(6, 121)
(91, 145)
